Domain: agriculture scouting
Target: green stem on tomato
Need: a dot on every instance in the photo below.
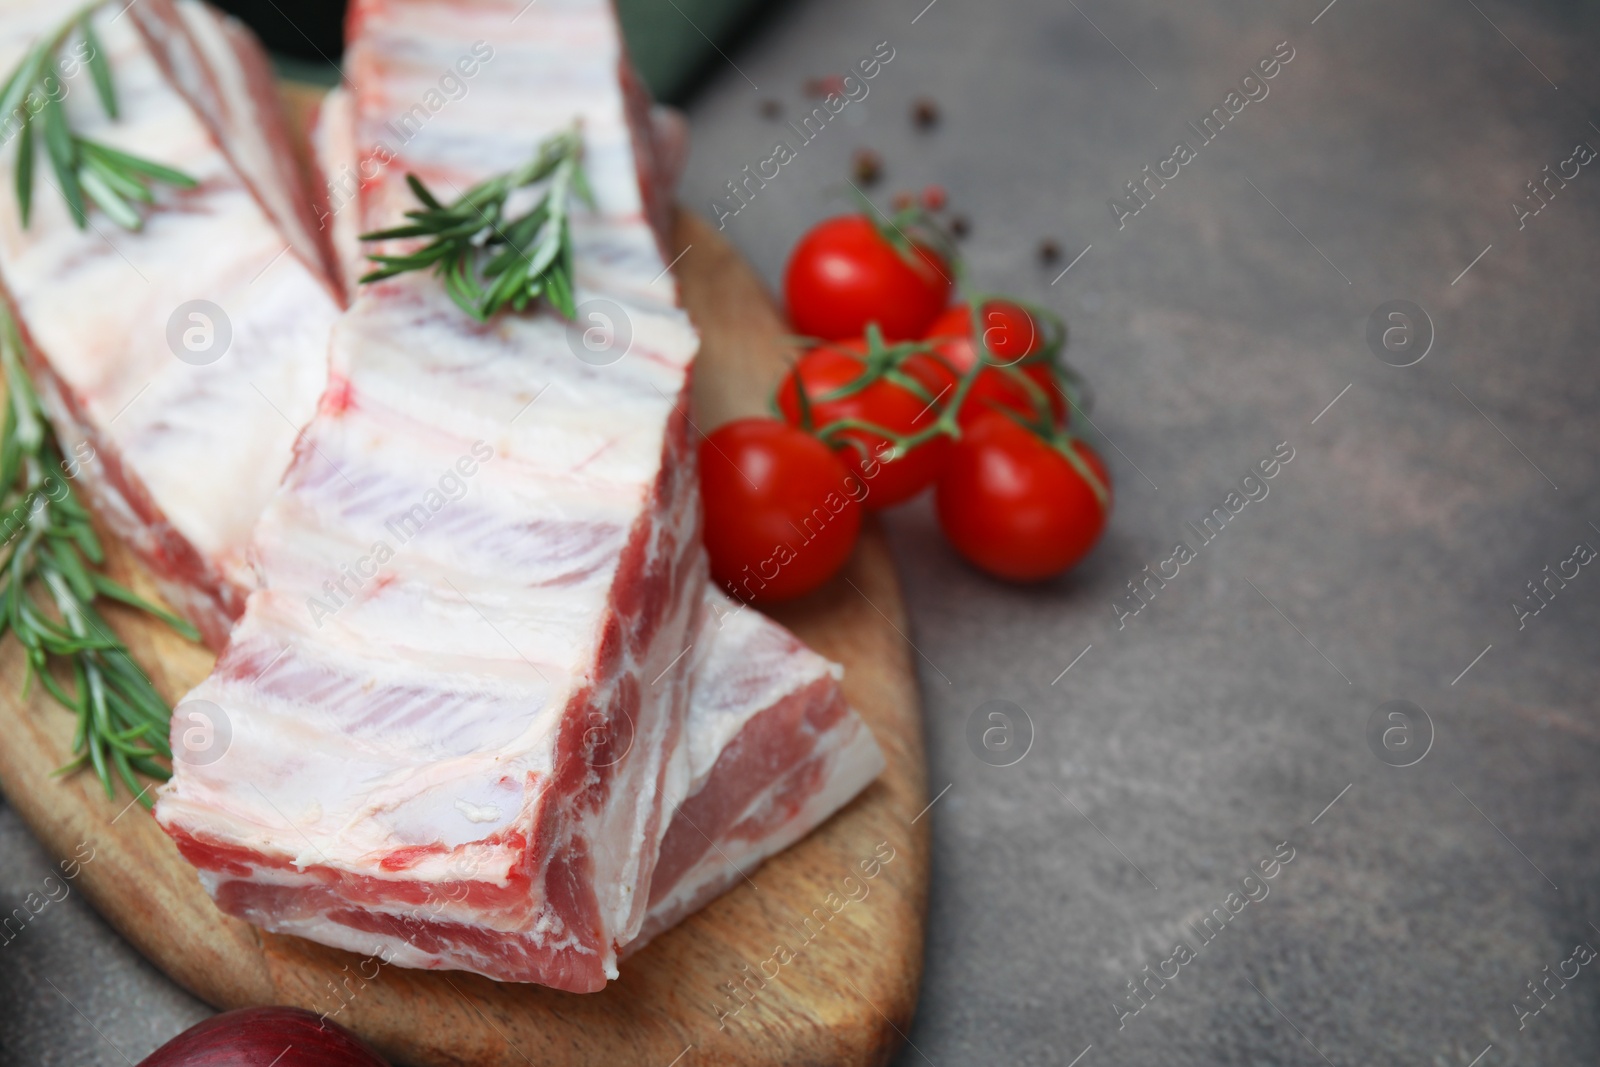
(883, 362)
(880, 361)
(909, 228)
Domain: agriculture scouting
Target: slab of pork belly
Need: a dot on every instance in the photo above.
(774, 750)
(462, 751)
(186, 456)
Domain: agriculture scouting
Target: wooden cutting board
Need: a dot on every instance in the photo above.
(715, 990)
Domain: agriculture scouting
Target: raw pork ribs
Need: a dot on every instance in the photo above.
(456, 724)
(190, 411)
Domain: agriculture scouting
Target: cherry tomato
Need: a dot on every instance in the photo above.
(1012, 336)
(1014, 505)
(782, 513)
(844, 274)
(884, 402)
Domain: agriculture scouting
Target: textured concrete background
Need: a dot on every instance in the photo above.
(1181, 750)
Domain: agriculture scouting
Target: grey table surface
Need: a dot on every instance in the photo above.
(1230, 717)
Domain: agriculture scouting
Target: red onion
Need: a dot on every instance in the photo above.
(259, 1037)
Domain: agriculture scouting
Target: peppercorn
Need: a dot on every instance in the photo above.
(868, 166)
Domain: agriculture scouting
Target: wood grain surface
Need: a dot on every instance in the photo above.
(746, 981)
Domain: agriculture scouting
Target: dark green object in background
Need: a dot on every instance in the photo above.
(672, 41)
(668, 38)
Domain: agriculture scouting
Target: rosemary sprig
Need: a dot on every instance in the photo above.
(113, 180)
(51, 546)
(486, 260)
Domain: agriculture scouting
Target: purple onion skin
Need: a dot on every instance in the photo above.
(256, 1037)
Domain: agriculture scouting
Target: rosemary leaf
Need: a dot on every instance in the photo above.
(99, 66)
(121, 593)
(136, 164)
(61, 150)
(421, 192)
(106, 198)
(25, 168)
(72, 569)
(126, 186)
(23, 80)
